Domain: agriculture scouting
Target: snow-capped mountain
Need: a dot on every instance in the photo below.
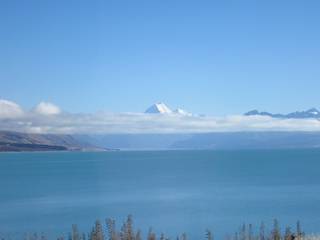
(159, 108)
(182, 112)
(311, 113)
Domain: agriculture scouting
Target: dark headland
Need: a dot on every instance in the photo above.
(25, 142)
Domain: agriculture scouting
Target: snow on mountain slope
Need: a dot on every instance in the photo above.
(159, 108)
(311, 113)
(182, 112)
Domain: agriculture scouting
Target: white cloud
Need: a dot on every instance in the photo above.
(48, 118)
(46, 108)
(9, 109)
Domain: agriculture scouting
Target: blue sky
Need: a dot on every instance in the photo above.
(211, 57)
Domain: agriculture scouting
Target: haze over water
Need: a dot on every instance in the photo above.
(172, 191)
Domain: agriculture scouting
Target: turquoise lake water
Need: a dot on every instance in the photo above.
(172, 191)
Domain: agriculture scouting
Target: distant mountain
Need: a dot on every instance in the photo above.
(311, 113)
(161, 108)
(216, 141)
(250, 140)
(15, 141)
(135, 141)
(182, 112)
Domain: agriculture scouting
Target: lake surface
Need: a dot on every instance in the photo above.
(172, 191)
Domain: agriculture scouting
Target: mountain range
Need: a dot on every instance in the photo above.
(162, 108)
(310, 113)
(13, 141)
(213, 141)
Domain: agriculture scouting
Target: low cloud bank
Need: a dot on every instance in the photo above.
(48, 118)
(9, 110)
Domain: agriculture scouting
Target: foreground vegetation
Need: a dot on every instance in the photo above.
(108, 231)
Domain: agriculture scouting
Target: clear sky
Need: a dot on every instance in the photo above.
(211, 57)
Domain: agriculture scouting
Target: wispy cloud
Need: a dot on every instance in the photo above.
(48, 118)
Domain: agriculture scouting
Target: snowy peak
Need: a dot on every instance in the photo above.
(182, 112)
(159, 108)
(314, 111)
(311, 113)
